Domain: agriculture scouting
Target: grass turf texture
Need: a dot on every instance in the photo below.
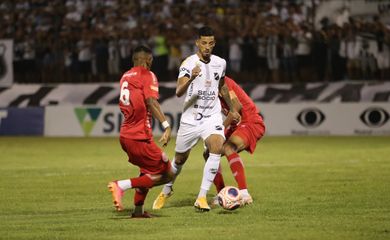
(303, 188)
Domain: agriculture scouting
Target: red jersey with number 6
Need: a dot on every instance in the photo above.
(137, 85)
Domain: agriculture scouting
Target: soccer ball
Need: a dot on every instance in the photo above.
(229, 198)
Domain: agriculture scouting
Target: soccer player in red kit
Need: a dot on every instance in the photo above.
(240, 136)
(138, 102)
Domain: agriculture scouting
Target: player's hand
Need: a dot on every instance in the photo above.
(235, 116)
(166, 137)
(195, 71)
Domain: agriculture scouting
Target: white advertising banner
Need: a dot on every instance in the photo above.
(6, 66)
(96, 121)
(281, 119)
(327, 119)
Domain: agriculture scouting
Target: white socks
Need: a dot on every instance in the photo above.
(209, 172)
(124, 184)
(176, 169)
(244, 192)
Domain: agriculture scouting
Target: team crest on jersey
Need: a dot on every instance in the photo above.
(216, 76)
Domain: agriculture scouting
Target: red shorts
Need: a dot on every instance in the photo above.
(250, 132)
(146, 155)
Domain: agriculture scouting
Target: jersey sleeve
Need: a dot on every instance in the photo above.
(223, 69)
(185, 69)
(150, 86)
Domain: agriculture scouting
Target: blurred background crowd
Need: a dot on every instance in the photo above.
(266, 41)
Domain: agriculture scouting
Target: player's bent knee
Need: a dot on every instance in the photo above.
(236, 143)
(228, 148)
(166, 178)
(214, 144)
(181, 158)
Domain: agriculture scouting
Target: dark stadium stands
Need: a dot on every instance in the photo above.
(263, 41)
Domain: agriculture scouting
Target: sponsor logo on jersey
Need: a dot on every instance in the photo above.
(206, 95)
(199, 116)
(131, 74)
(218, 127)
(87, 118)
(202, 107)
(216, 76)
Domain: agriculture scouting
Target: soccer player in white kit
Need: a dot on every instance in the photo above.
(201, 79)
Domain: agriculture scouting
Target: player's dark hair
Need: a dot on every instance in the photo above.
(142, 48)
(205, 31)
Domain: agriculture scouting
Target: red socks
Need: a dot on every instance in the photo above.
(218, 180)
(237, 168)
(140, 195)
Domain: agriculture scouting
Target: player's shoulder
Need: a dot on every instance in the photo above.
(217, 59)
(148, 76)
(190, 59)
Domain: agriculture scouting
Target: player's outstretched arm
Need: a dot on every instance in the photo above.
(155, 109)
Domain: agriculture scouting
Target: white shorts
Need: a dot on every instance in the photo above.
(188, 135)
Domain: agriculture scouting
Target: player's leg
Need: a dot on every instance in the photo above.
(139, 199)
(218, 180)
(187, 137)
(118, 188)
(243, 138)
(231, 148)
(167, 191)
(214, 143)
(154, 167)
(141, 184)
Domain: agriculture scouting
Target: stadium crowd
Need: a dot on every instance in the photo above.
(263, 41)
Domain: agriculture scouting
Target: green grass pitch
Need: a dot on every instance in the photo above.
(303, 188)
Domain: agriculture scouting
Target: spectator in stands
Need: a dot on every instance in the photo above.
(235, 55)
(273, 53)
(175, 58)
(288, 45)
(101, 54)
(303, 52)
(367, 61)
(349, 49)
(125, 52)
(72, 21)
(319, 54)
(160, 53)
(113, 58)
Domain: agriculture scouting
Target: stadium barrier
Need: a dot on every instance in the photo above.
(341, 108)
(345, 119)
(22, 121)
(281, 119)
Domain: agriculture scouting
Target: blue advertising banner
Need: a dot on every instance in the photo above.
(22, 121)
